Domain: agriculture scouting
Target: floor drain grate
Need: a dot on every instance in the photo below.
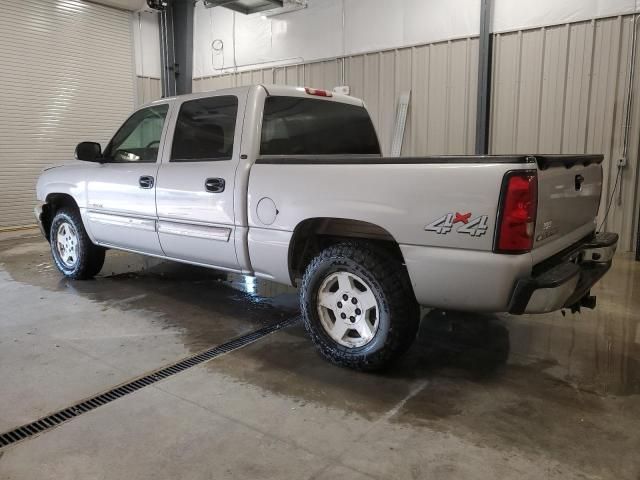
(61, 416)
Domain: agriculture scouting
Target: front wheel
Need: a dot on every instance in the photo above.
(358, 307)
(73, 252)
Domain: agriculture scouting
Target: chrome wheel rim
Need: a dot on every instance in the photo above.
(67, 244)
(348, 309)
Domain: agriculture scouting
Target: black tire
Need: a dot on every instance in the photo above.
(90, 257)
(388, 280)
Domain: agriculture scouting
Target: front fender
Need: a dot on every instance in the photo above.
(54, 181)
(69, 181)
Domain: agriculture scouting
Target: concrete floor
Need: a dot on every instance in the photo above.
(476, 397)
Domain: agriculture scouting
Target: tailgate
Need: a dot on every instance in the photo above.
(569, 188)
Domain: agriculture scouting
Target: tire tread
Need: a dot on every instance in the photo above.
(394, 282)
(91, 258)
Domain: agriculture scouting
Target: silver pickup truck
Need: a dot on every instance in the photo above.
(289, 184)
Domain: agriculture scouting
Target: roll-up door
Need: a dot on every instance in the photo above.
(66, 76)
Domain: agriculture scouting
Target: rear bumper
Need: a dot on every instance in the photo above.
(565, 280)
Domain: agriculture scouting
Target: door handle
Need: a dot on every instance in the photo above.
(214, 185)
(146, 181)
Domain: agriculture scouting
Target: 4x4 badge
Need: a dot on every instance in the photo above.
(476, 227)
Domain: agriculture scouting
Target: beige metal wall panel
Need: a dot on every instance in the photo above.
(314, 76)
(505, 93)
(578, 87)
(354, 75)
(623, 217)
(326, 75)
(279, 76)
(295, 75)
(67, 76)
(228, 81)
(148, 89)
(403, 72)
(441, 77)
(529, 90)
(457, 97)
(605, 73)
(627, 216)
(292, 75)
(443, 103)
(214, 83)
(244, 78)
(443, 97)
(563, 89)
(387, 98)
(419, 99)
(437, 87)
(371, 91)
(554, 78)
(264, 76)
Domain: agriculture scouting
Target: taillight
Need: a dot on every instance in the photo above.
(317, 92)
(517, 215)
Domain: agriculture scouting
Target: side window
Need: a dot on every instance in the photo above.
(138, 140)
(205, 130)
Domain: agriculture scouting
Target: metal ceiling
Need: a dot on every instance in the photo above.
(245, 6)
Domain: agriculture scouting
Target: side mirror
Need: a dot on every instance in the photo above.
(89, 152)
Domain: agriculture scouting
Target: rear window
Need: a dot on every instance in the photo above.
(305, 126)
(205, 130)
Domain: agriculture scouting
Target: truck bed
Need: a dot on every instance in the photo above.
(441, 210)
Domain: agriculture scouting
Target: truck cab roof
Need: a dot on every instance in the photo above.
(272, 90)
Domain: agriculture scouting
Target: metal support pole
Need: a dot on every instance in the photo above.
(167, 53)
(176, 47)
(485, 55)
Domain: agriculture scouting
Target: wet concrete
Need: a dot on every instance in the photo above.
(62, 340)
(478, 396)
(186, 293)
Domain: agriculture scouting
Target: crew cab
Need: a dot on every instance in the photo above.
(289, 184)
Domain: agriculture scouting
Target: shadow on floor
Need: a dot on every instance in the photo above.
(473, 343)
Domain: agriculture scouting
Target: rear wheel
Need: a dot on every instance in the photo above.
(358, 307)
(73, 252)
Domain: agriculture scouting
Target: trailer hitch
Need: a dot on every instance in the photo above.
(588, 301)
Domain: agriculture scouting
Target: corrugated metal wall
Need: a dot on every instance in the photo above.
(555, 89)
(441, 77)
(148, 89)
(66, 76)
(562, 89)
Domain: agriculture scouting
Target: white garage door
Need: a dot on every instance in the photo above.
(66, 75)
